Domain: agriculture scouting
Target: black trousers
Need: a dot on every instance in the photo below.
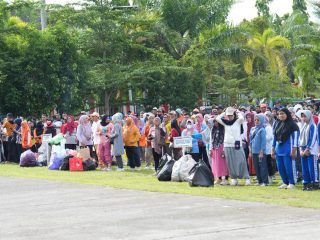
(204, 156)
(156, 158)
(133, 156)
(71, 146)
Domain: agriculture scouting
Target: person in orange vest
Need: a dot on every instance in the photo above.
(26, 135)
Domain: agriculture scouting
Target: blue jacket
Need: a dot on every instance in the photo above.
(284, 149)
(258, 140)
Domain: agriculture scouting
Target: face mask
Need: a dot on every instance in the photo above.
(189, 126)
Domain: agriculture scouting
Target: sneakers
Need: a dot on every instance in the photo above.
(270, 180)
(137, 168)
(248, 182)
(283, 186)
(263, 185)
(120, 169)
(234, 182)
(224, 182)
(146, 167)
(290, 186)
(257, 184)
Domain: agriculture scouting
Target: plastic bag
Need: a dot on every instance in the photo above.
(56, 140)
(200, 175)
(65, 163)
(28, 159)
(84, 153)
(42, 155)
(164, 159)
(89, 165)
(165, 173)
(182, 167)
(76, 164)
(58, 153)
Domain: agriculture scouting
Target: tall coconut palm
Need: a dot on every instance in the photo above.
(270, 46)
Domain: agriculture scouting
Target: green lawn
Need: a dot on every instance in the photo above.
(143, 180)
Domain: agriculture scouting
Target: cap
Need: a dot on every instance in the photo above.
(154, 108)
(230, 111)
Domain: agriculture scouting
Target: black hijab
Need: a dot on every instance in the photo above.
(231, 122)
(39, 128)
(283, 129)
(174, 124)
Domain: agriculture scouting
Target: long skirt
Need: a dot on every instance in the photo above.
(219, 164)
(237, 164)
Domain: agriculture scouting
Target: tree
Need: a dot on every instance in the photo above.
(263, 8)
(300, 6)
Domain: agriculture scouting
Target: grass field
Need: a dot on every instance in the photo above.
(143, 180)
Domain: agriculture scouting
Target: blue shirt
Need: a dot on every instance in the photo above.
(259, 141)
(285, 148)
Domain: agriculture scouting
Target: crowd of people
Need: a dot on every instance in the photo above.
(234, 142)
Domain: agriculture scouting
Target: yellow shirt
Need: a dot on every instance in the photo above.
(168, 129)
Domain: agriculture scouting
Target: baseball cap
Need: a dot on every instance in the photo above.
(230, 111)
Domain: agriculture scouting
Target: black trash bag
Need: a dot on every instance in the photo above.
(164, 159)
(65, 163)
(89, 165)
(165, 173)
(201, 175)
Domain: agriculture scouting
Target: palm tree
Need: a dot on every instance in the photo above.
(269, 45)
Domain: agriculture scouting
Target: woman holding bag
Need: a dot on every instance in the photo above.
(84, 134)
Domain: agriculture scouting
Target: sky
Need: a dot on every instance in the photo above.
(242, 9)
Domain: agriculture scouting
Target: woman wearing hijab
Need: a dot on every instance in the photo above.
(258, 141)
(117, 139)
(104, 130)
(201, 126)
(131, 138)
(219, 164)
(84, 133)
(285, 145)
(157, 136)
(9, 144)
(69, 130)
(175, 132)
(308, 148)
(189, 131)
(235, 156)
(148, 148)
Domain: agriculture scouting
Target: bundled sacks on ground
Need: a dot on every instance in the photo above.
(43, 155)
(28, 159)
(200, 175)
(181, 168)
(58, 153)
(165, 168)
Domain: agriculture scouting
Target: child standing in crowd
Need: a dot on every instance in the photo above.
(189, 131)
(308, 148)
(235, 156)
(257, 149)
(285, 145)
(104, 130)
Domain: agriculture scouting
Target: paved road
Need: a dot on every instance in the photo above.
(45, 210)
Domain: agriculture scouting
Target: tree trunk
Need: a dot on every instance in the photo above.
(107, 96)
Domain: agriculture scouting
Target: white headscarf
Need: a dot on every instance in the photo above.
(305, 128)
